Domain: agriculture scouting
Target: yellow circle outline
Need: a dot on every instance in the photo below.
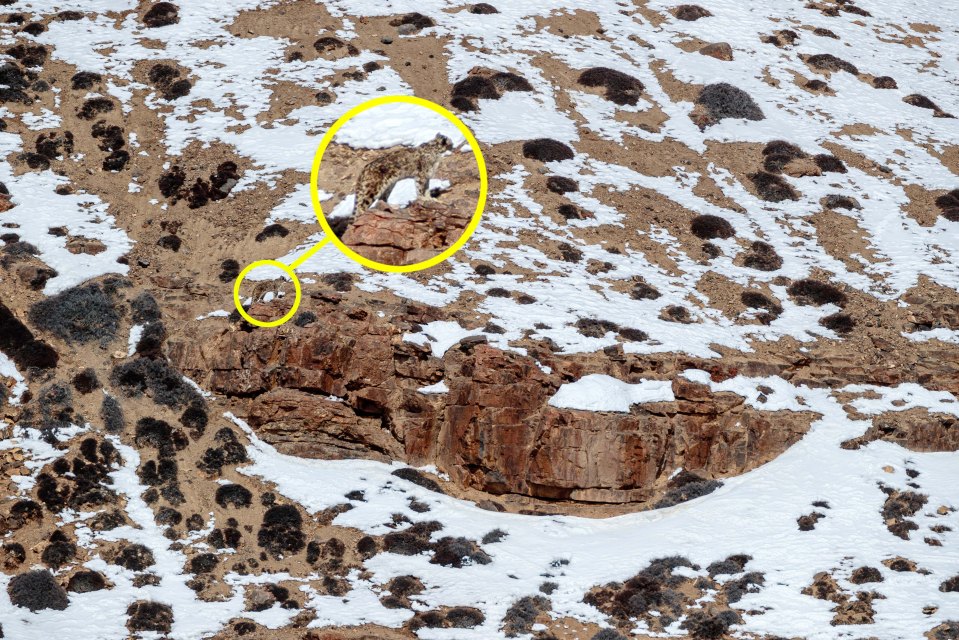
(288, 270)
(480, 203)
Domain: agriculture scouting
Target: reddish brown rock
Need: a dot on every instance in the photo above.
(494, 429)
(409, 235)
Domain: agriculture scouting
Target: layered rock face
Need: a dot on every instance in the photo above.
(406, 236)
(346, 385)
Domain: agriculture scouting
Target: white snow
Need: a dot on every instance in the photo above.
(439, 387)
(598, 392)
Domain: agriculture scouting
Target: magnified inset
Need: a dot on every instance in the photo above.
(399, 183)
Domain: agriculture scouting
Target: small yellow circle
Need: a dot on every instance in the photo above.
(480, 203)
(285, 268)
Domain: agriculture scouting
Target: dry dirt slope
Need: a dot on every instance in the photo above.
(715, 290)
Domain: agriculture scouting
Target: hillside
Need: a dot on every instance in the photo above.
(693, 375)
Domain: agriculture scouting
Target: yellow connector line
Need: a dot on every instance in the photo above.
(309, 252)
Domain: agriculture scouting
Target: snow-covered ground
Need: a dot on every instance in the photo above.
(234, 78)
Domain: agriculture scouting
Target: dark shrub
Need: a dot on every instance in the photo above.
(12, 555)
(110, 136)
(593, 328)
(203, 563)
(686, 486)
(483, 8)
(171, 182)
(150, 616)
(723, 100)
(199, 194)
(150, 344)
(569, 253)
(112, 415)
(772, 188)
(163, 75)
(171, 242)
(18, 342)
(950, 585)
(621, 88)
(53, 146)
(710, 626)
(829, 163)
(757, 300)
(280, 532)
(839, 322)
(460, 103)
(29, 55)
(825, 33)
(223, 180)
(116, 161)
(272, 231)
(178, 89)
(151, 432)
(24, 511)
(458, 552)
(230, 270)
(496, 535)
(762, 256)
(417, 20)
(86, 581)
(327, 44)
(156, 376)
(835, 201)
(633, 335)
(366, 547)
(731, 565)
(863, 575)
(690, 12)
(304, 318)
(782, 147)
(230, 451)
(884, 82)
(676, 313)
(84, 80)
(608, 634)
(559, 184)
(418, 478)
(233, 495)
(94, 107)
(58, 553)
(36, 591)
(829, 62)
(572, 212)
(817, 85)
(816, 293)
(547, 150)
(709, 226)
(161, 14)
(464, 617)
(86, 381)
(949, 200)
(509, 81)
(776, 162)
(341, 281)
(522, 614)
(413, 540)
(195, 418)
(134, 557)
(167, 516)
(475, 87)
(78, 315)
(921, 101)
(643, 291)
